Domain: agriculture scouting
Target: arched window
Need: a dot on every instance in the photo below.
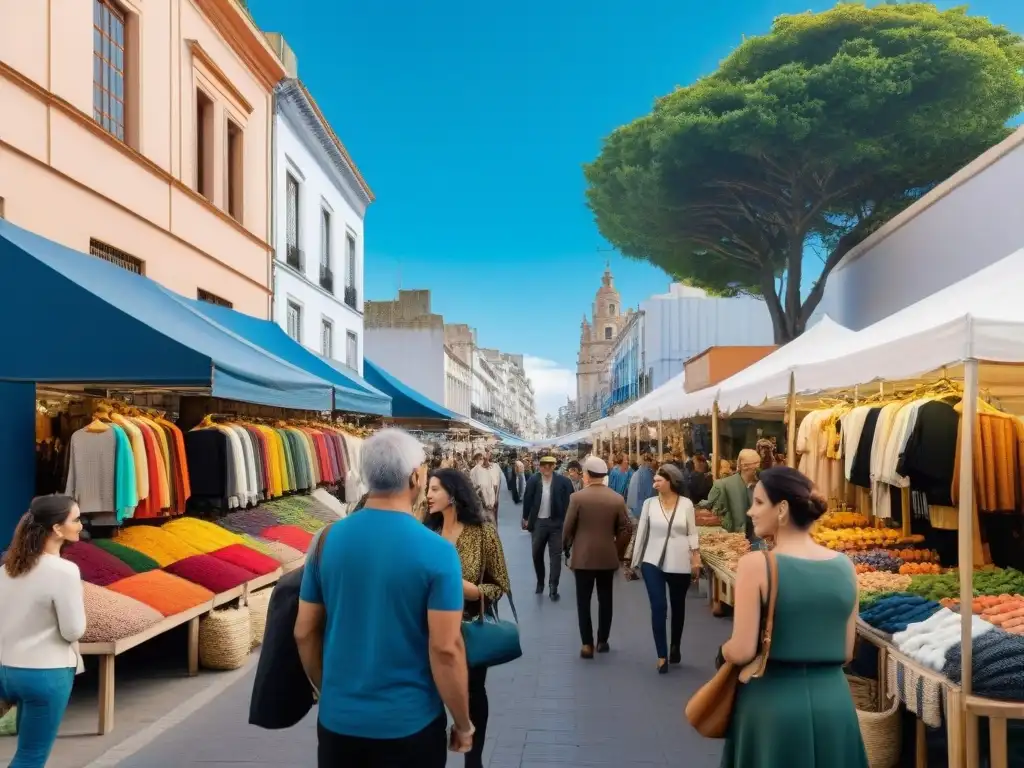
(611, 309)
(608, 332)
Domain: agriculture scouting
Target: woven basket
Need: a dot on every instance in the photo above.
(225, 638)
(259, 604)
(881, 730)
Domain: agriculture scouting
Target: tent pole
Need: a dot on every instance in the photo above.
(791, 422)
(716, 459)
(661, 448)
(965, 542)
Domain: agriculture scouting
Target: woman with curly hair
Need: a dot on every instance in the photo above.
(456, 512)
(43, 619)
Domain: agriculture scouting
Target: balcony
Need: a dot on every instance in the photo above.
(295, 258)
(351, 298)
(326, 278)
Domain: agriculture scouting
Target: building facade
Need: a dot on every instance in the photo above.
(669, 329)
(597, 337)
(143, 142)
(969, 221)
(320, 202)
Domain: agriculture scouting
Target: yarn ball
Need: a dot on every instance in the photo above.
(247, 559)
(97, 566)
(134, 559)
(204, 536)
(163, 591)
(112, 616)
(209, 572)
(283, 553)
(290, 535)
(250, 521)
(160, 545)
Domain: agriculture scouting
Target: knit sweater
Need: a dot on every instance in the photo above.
(91, 470)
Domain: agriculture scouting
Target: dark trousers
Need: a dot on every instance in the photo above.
(585, 581)
(547, 534)
(478, 713)
(426, 749)
(656, 581)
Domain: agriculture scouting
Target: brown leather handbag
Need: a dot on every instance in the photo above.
(710, 708)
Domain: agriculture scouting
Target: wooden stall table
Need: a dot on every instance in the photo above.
(721, 582)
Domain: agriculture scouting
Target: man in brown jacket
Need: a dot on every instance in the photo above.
(596, 532)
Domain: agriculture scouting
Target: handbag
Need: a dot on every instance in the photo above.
(709, 710)
(489, 640)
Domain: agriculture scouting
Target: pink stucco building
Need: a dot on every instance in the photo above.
(140, 131)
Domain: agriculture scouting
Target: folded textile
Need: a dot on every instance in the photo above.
(157, 543)
(290, 535)
(283, 553)
(998, 665)
(929, 647)
(920, 694)
(137, 561)
(163, 591)
(204, 536)
(250, 521)
(894, 614)
(111, 616)
(207, 571)
(96, 565)
(248, 559)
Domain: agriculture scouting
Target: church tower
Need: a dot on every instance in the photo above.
(597, 337)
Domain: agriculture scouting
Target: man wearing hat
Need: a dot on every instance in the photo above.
(545, 502)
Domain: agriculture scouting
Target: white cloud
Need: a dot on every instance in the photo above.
(552, 384)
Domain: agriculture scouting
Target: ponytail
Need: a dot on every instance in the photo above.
(33, 529)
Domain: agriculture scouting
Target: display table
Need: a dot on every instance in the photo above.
(109, 651)
(721, 581)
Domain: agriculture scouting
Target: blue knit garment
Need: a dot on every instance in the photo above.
(893, 614)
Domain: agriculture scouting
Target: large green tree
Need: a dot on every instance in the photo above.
(805, 139)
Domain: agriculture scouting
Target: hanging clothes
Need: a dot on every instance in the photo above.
(91, 471)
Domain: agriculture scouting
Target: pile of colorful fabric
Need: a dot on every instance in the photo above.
(997, 665)
(893, 614)
(928, 641)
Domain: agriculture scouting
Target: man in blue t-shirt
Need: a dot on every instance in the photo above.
(379, 627)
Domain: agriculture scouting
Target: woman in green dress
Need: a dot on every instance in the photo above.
(800, 713)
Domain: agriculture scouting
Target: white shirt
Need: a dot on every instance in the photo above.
(43, 615)
(486, 481)
(545, 499)
(652, 534)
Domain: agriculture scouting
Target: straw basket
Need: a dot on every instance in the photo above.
(225, 638)
(259, 605)
(879, 727)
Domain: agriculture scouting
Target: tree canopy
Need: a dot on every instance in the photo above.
(808, 137)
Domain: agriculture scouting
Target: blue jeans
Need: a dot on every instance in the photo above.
(41, 696)
(656, 581)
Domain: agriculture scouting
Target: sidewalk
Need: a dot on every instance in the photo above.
(549, 708)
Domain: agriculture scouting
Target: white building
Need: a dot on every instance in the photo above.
(671, 328)
(458, 384)
(415, 356)
(320, 202)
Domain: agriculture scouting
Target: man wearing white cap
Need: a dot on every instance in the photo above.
(545, 503)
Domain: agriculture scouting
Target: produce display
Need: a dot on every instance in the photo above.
(915, 569)
(876, 560)
(988, 582)
(882, 582)
(706, 519)
(843, 539)
(729, 547)
(835, 520)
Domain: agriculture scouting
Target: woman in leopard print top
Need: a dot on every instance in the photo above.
(456, 513)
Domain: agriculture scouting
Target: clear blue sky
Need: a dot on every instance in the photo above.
(471, 122)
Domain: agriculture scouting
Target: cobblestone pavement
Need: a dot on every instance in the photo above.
(549, 708)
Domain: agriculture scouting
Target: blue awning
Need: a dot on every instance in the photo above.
(351, 392)
(406, 402)
(77, 319)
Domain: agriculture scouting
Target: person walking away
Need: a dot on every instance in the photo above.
(574, 470)
(667, 554)
(456, 514)
(520, 483)
(379, 626)
(621, 474)
(43, 620)
(801, 708)
(700, 481)
(730, 497)
(596, 527)
(487, 478)
(644, 486)
(545, 502)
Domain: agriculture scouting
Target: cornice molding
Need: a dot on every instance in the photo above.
(245, 39)
(200, 55)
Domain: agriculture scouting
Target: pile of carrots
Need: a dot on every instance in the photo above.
(1004, 611)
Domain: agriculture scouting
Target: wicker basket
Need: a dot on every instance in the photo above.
(879, 727)
(225, 638)
(259, 605)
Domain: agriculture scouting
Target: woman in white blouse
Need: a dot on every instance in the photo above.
(667, 555)
(43, 618)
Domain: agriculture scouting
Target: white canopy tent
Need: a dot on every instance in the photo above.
(647, 407)
(570, 439)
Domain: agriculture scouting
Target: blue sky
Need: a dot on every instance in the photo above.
(471, 122)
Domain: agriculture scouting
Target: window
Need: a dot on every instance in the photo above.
(352, 350)
(116, 256)
(2, 208)
(108, 66)
(350, 271)
(235, 164)
(326, 275)
(294, 254)
(608, 332)
(611, 309)
(212, 298)
(326, 338)
(294, 321)
(204, 144)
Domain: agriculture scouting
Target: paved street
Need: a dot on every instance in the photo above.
(549, 708)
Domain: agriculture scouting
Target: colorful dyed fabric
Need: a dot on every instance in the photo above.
(210, 572)
(258, 544)
(164, 547)
(163, 591)
(290, 535)
(204, 536)
(111, 616)
(284, 554)
(250, 521)
(247, 559)
(96, 565)
(138, 562)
